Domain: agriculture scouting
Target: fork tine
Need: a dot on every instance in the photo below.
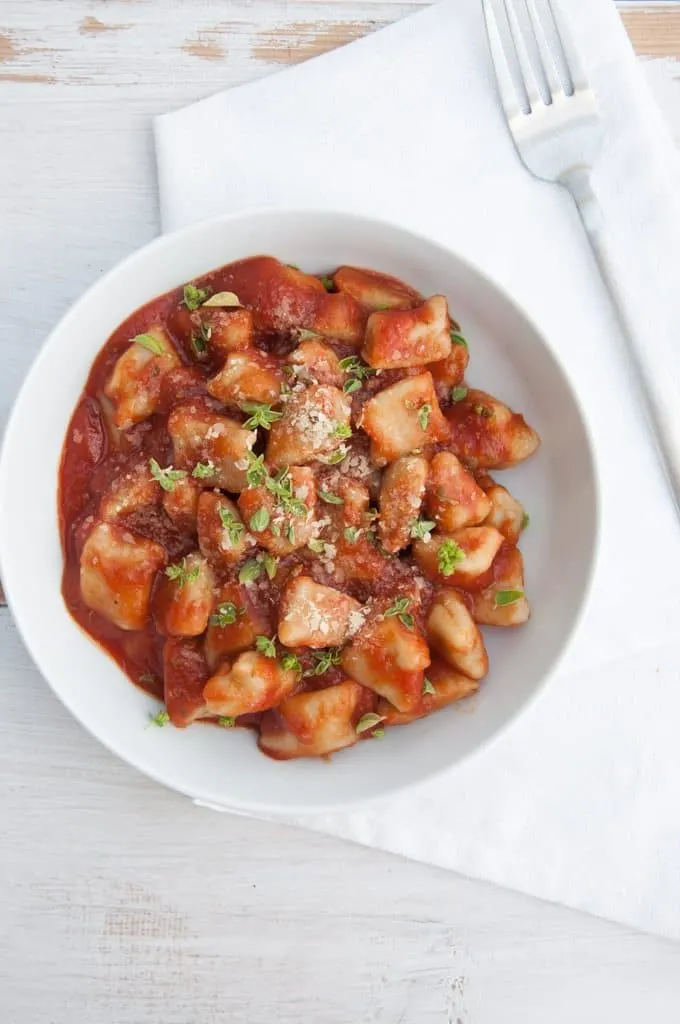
(509, 73)
(527, 47)
(563, 53)
(538, 17)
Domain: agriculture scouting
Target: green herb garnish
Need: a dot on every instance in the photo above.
(226, 721)
(203, 470)
(400, 608)
(250, 571)
(505, 597)
(259, 521)
(342, 431)
(199, 342)
(194, 297)
(351, 385)
(449, 557)
(225, 614)
(161, 719)
(281, 486)
(422, 528)
(166, 477)
(427, 686)
(231, 524)
(356, 371)
(329, 498)
(367, 722)
(352, 534)
(265, 646)
(256, 472)
(149, 342)
(262, 415)
(180, 575)
(335, 457)
(424, 415)
(458, 339)
(327, 283)
(324, 661)
(526, 519)
(291, 663)
(269, 564)
(458, 394)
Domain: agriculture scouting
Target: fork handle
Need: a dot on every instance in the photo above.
(657, 385)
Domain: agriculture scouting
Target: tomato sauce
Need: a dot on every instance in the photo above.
(90, 461)
(98, 453)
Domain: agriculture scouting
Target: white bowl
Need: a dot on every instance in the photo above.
(558, 487)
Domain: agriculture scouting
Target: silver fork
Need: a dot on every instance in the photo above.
(557, 129)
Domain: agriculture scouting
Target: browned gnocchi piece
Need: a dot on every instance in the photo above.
(452, 632)
(133, 488)
(487, 434)
(218, 444)
(454, 498)
(312, 615)
(503, 602)
(460, 559)
(229, 330)
(389, 658)
(448, 373)
(222, 535)
(315, 362)
(412, 337)
(117, 571)
(344, 503)
(375, 290)
(349, 552)
(315, 723)
(248, 376)
(134, 386)
(236, 620)
(283, 520)
(181, 503)
(506, 513)
(314, 425)
(401, 498)
(284, 298)
(183, 599)
(185, 672)
(252, 683)
(402, 418)
(443, 685)
(210, 330)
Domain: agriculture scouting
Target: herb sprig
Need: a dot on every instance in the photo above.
(167, 477)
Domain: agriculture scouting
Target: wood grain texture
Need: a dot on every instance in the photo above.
(121, 902)
(99, 43)
(654, 32)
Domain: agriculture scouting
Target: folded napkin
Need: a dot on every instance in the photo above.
(577, 802)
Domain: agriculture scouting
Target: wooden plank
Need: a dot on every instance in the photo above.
(106, 42)
(654, 32)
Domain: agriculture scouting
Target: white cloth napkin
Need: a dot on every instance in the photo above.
(579, 802)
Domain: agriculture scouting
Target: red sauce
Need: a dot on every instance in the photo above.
(96, 453)
(89, 465)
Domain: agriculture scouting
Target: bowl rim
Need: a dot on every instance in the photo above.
(195, 230)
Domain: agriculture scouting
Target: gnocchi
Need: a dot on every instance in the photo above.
(277, 510)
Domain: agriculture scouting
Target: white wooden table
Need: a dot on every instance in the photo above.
(120, 902)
